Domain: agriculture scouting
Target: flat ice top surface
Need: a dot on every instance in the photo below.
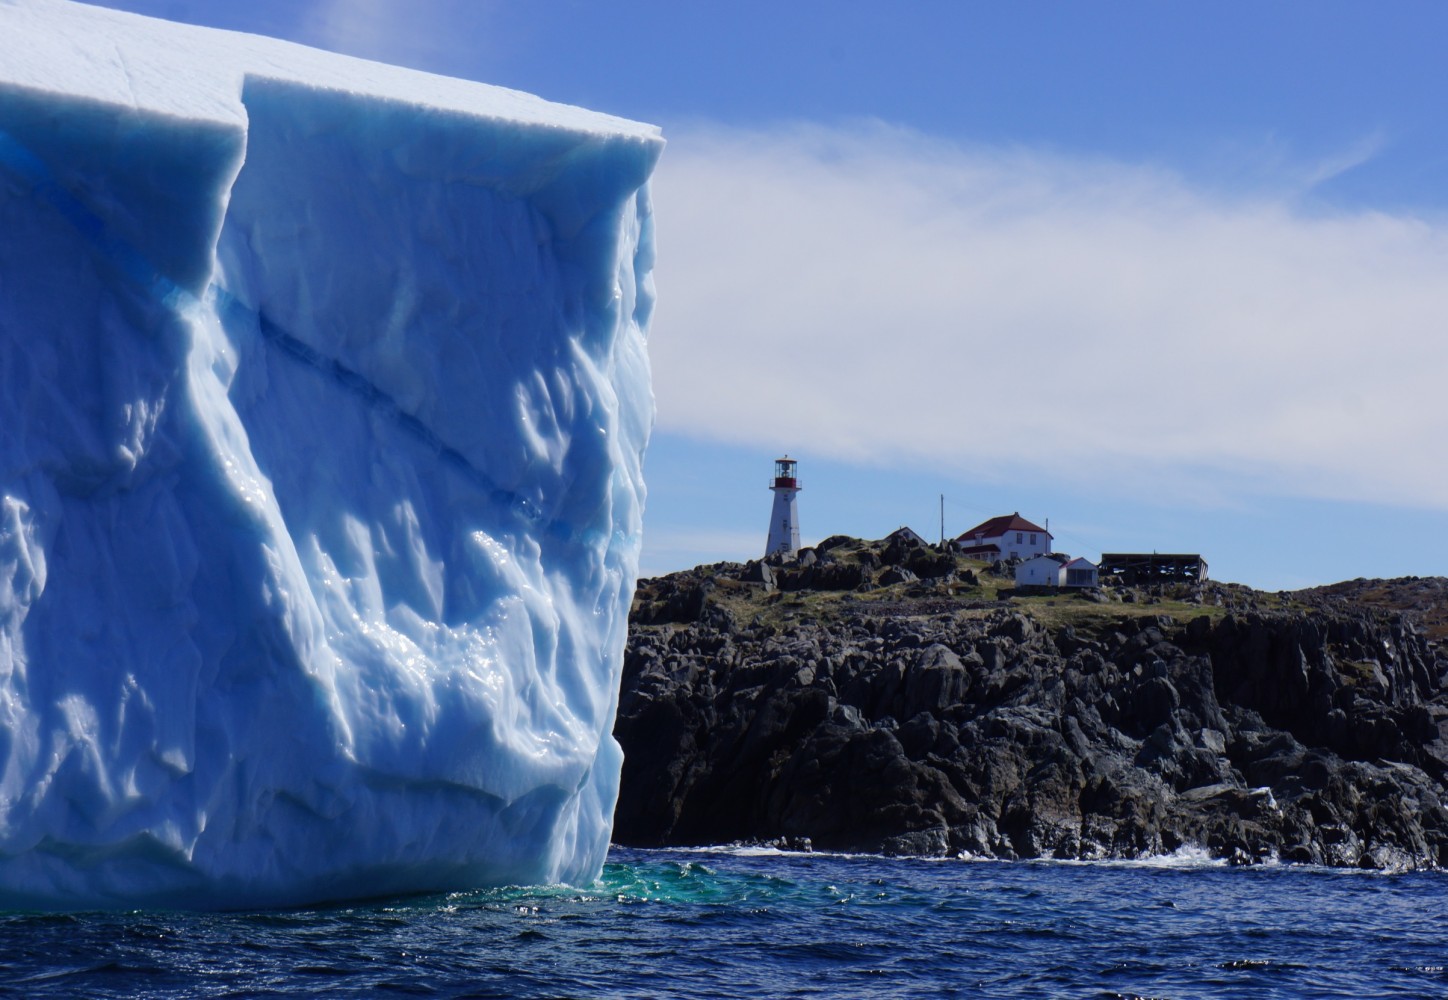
(197, 73)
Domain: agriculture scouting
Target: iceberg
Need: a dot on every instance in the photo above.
(323, 402)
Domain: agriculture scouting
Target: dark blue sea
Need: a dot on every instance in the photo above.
(722, 924)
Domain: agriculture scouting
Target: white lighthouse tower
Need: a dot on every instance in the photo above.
(784, 520)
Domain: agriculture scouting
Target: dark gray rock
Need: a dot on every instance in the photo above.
(1315, 736)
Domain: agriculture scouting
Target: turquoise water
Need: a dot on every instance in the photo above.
(720, 924)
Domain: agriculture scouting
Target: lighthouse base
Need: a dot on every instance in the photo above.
(783, 525)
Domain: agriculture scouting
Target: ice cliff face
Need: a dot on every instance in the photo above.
(323, 397)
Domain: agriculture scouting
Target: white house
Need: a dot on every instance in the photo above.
(1042, 571)
(1007, 537)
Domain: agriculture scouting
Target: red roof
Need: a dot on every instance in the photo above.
(971, 550)
(998, 526)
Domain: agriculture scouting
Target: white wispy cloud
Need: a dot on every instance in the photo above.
(437, 35)
(874, 295)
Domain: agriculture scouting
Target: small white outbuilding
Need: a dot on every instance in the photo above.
(905, 533)
(1056, 569)
(1081, 572)
(1048, 570)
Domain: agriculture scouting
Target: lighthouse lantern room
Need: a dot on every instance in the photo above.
(784, 520)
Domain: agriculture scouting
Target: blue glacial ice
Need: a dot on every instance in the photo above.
(323, 400)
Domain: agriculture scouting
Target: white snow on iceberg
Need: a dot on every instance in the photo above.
(323, 398)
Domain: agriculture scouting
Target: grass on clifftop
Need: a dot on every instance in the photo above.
(972, 589)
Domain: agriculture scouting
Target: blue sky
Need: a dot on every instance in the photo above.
(1172, 276)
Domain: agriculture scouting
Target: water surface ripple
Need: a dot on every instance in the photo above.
(720, 924)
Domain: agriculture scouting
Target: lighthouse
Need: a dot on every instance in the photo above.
(784, 520)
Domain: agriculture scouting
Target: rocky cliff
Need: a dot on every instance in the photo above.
(889, 697)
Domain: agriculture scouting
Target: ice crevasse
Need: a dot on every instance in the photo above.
(323, 401)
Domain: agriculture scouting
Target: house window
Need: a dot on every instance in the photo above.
(1033, 538)
(1018, 538)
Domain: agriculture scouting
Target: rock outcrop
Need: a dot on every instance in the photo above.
(926, 711)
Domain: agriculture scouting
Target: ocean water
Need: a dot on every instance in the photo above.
(755, 924)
